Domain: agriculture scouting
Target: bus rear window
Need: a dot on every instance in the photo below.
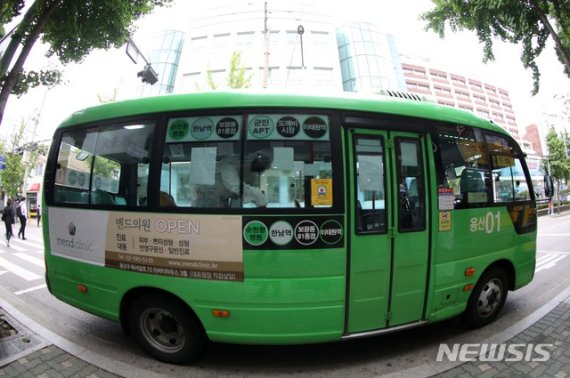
(106, 165)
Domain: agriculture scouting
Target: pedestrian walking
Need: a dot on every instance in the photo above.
(38, 215)
(8, 217)
(22, 212)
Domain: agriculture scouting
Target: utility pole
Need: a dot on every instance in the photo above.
(266, 51)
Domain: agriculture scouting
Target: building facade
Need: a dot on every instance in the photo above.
(369, 60)
(459, 91)
(283, 45)
(164, 60)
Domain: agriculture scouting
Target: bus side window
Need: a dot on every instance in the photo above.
(509, 180)
(463, 165)
(370, 185)
(100, 165)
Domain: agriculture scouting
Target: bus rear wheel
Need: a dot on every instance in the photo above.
(487, 299)
(165, 329)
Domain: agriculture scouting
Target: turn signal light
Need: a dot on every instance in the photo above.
(468, 287)
(82, 288)
(221, 313)
(469, 272)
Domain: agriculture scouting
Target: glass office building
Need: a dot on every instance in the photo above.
(369, 60)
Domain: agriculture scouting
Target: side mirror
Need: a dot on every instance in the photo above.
(548, 186)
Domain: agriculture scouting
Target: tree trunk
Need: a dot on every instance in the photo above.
(16, 39)
(563, 53)
(13, 76)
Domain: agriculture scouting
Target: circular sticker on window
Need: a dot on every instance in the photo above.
(331, 232)
(255, 233)
(306, 232)
(202, 128)
(315, 127)
(281, 233)
(227, 128)
(261, 127)
(288, 127)
(178, 129)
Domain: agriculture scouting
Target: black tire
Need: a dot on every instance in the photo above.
(166, 329)
(487, 299)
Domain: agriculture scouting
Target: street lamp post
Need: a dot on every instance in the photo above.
(300, 31)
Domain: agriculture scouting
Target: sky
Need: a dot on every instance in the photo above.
(104, 72)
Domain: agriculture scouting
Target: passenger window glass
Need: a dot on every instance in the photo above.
(370, 185)
(509, 180)
(196, 149)
(286, 162)
(463, 165)
(411, 196)
(104, 166)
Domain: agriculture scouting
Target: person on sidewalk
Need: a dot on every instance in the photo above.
(38, 215)
(8, 216)
(23, 216)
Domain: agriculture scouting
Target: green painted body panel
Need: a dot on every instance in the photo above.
(316, 295)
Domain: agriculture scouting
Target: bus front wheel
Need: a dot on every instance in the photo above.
(487, 299)
(165, 329)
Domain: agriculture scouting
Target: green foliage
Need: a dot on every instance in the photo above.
(8, 10)
(559, 164)
(210, 80)
(237, 77)
(12, 176)
(71, 29)
(519, 22)
(32, 79)
(79, 26)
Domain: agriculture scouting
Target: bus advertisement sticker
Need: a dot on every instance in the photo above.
(202, 128)
(281, 233)
(445, 220)
(306, 232)
(175, 245)
(331, 232)
(293, 232)
(261, 127)
(255, 233)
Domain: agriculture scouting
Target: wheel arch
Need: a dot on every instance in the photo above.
(508, 267)
(137, 292)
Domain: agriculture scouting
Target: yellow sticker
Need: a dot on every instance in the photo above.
(445, 221)
(321, 192)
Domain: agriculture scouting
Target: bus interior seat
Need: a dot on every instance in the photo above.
(471, 181)
(101, 197)
(166, 200)
(120, 201)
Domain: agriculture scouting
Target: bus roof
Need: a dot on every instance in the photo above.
(380, 104)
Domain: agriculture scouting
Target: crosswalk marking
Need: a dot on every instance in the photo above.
(13, 268)
(32, 259)
(548, 261)
(30, 289)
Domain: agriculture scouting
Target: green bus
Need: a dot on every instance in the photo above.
(284, 219)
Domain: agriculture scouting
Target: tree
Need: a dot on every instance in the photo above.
(12, 176)
(558, 159)
(71, 29)
(236, 75)
(516, 21)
